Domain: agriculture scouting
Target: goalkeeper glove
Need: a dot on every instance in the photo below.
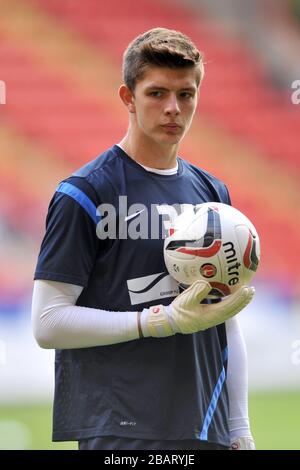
(243, 443)
(186, 315)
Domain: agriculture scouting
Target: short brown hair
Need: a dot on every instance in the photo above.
(159, 47)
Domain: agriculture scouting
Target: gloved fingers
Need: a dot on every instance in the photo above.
(228, 307)
(234, 303)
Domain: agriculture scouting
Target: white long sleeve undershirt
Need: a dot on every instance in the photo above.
(237, 381)
(59, 324)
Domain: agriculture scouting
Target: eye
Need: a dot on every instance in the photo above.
(186, 94)
(156, 94)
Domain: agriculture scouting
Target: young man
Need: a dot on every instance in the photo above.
(138, 365)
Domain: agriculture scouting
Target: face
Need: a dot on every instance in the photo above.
(164, 103)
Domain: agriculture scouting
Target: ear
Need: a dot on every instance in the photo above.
(127, 98)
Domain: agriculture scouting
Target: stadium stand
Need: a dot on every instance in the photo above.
(61, 63)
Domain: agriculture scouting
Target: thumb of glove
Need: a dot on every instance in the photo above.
(193, 295)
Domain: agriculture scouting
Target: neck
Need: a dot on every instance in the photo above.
(149, 153)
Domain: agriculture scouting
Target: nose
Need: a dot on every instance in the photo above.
(172, 107)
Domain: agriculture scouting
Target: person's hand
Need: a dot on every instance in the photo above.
(186, 315)
(243, 443)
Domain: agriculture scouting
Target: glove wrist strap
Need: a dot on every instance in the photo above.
(154, 322)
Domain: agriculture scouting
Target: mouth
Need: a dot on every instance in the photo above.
(171, 127)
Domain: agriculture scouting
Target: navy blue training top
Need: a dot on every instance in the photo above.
(104, 231)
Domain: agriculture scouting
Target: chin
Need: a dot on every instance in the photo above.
(166, 139)
(170, 138)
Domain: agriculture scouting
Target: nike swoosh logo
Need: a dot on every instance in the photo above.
(132, 216)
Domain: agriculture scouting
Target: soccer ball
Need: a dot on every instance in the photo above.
(214, 242)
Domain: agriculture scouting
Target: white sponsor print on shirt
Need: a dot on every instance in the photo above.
(154, 287)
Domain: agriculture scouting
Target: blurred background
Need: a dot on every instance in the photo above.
(59, 76)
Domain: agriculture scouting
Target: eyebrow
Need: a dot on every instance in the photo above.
(157, 87)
